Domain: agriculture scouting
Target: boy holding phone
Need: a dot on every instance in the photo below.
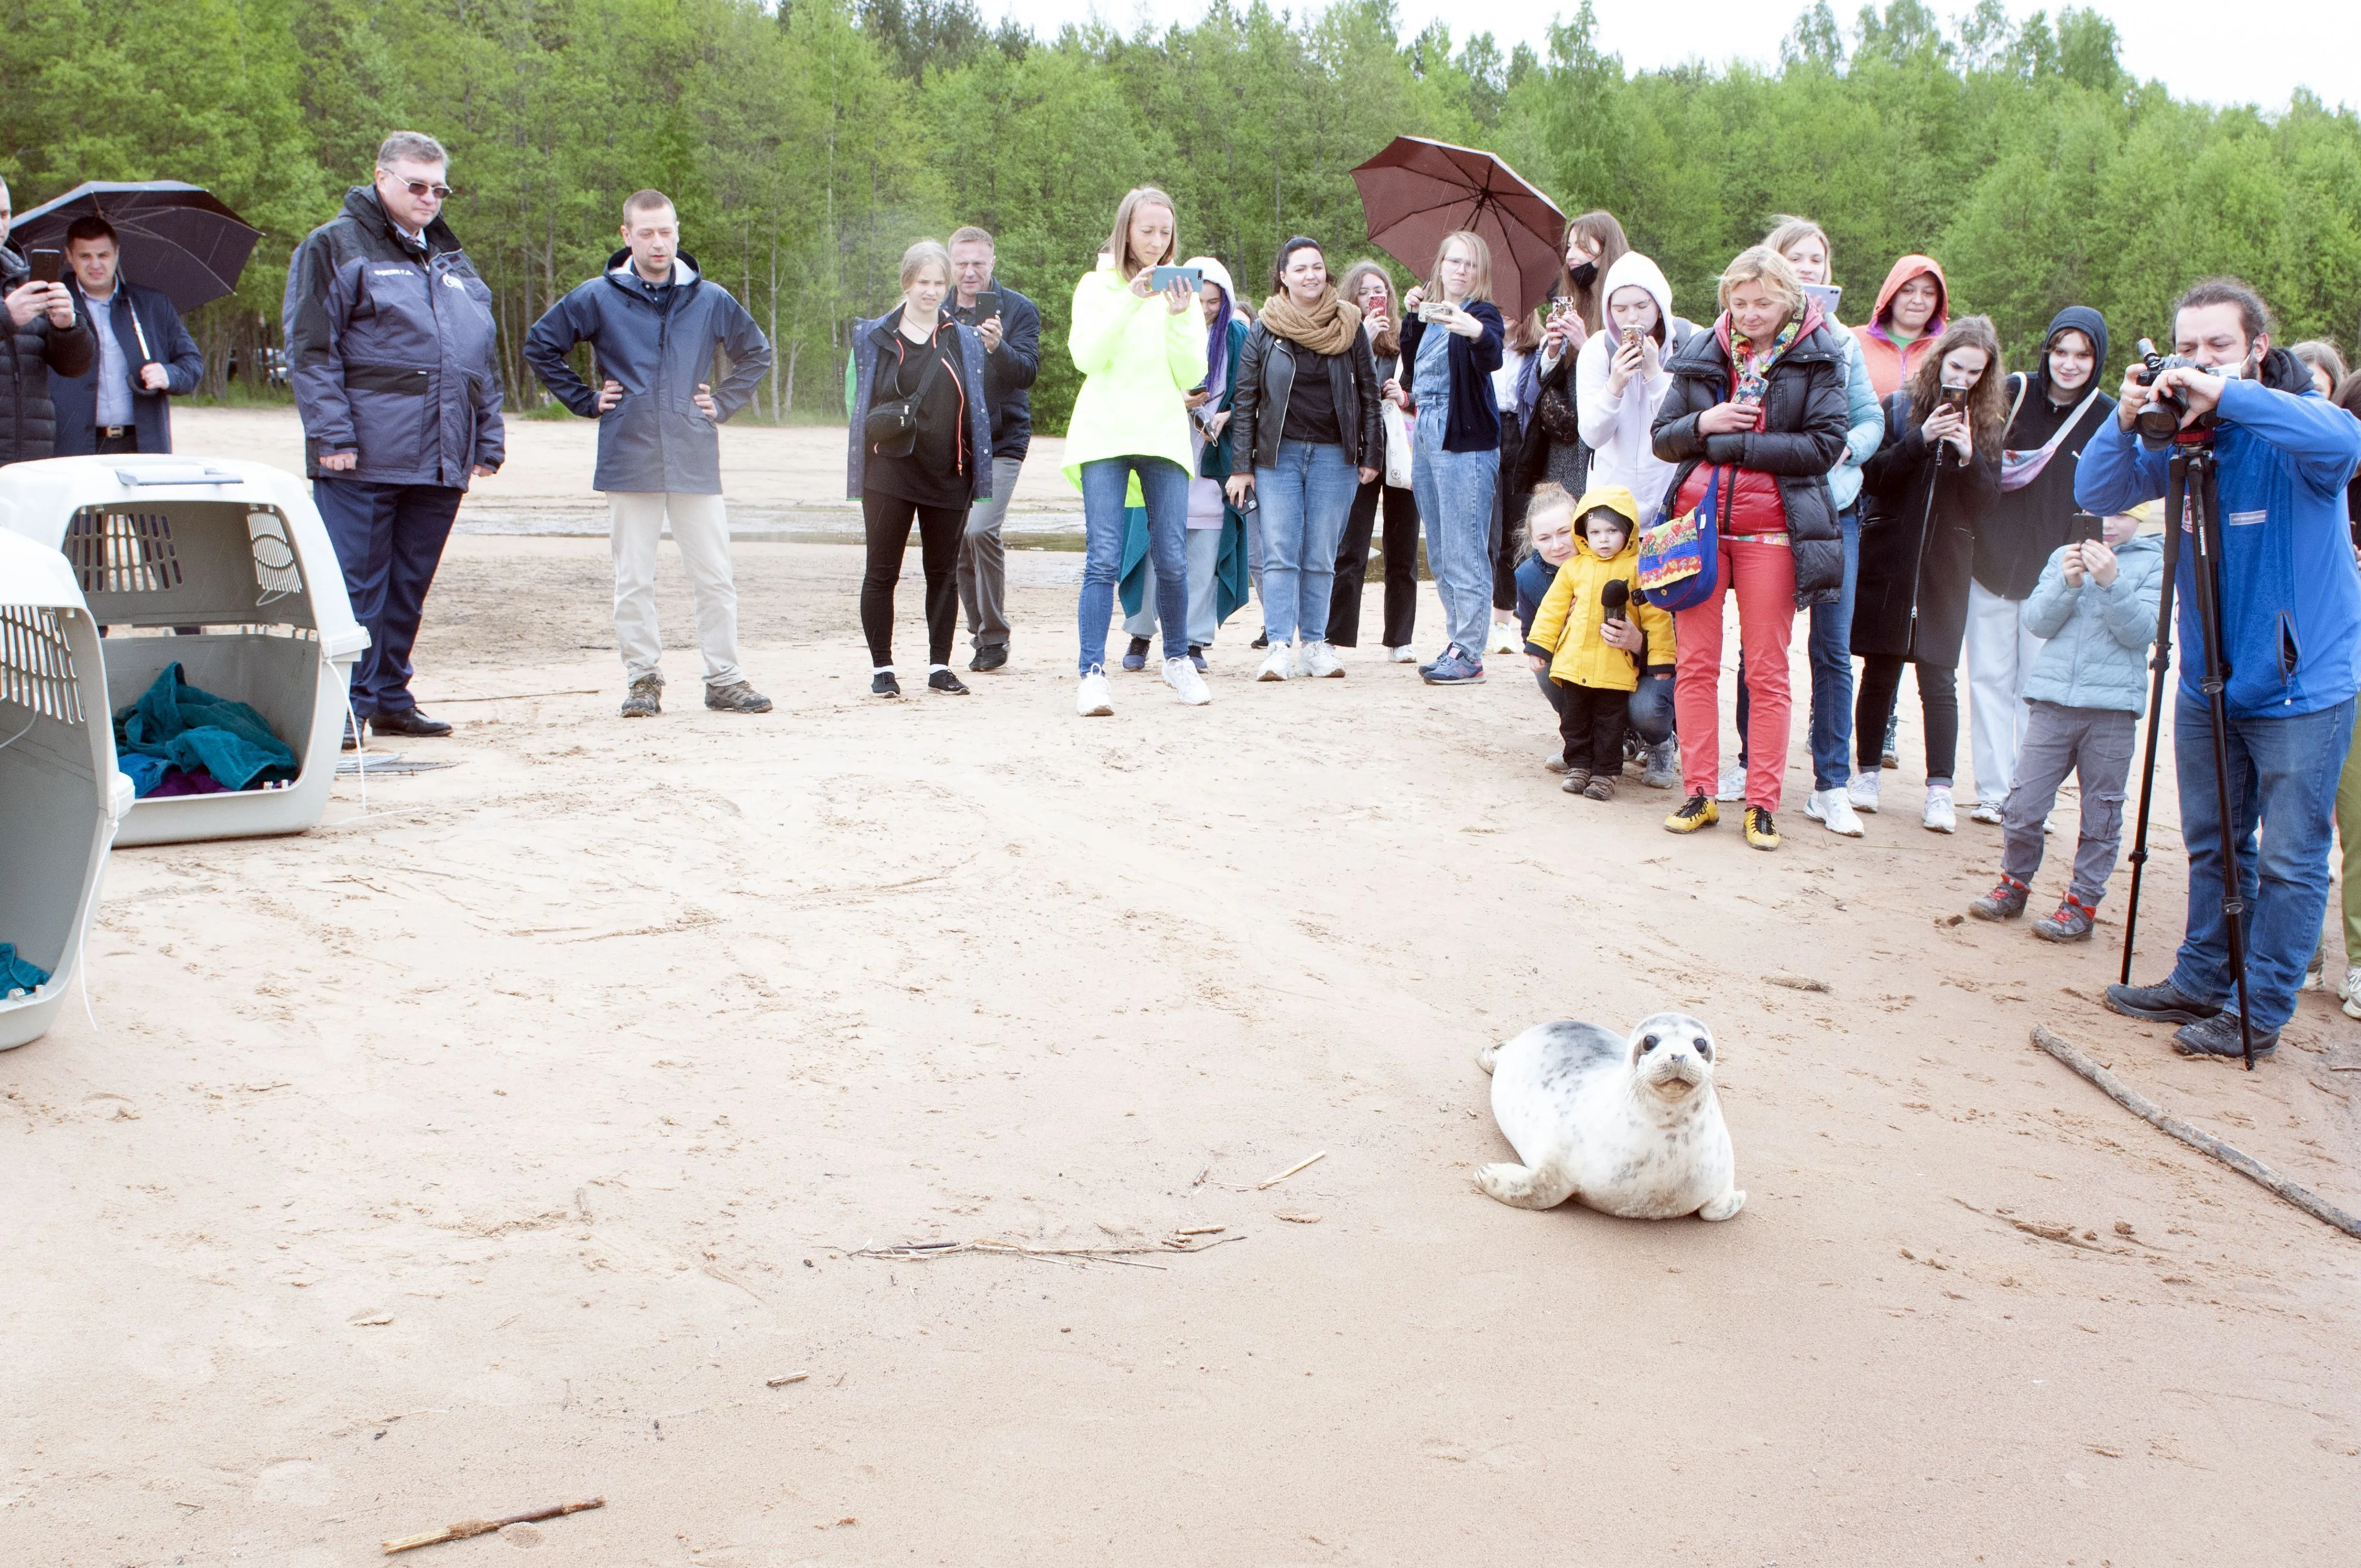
(2096, 604)
(45, 334)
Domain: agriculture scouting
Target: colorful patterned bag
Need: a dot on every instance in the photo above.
(1679, 555)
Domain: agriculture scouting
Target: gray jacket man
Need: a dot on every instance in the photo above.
(391, 350)
(653, 322)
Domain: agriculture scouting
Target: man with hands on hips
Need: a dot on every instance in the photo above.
(2290, 614)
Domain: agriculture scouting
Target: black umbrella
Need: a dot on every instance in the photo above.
(177, 238)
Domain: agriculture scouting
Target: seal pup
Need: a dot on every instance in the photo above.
(1629, 1127)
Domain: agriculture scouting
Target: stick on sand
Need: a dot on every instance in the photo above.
(467, 1528)
(1291, 1169)
(2147, 1110)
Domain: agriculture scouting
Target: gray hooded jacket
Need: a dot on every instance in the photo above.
(2096, 655)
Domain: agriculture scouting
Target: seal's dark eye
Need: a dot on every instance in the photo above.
(1648, 1043)
(1705, 1049)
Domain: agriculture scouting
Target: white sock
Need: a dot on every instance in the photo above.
(932, 668)
(883, 669)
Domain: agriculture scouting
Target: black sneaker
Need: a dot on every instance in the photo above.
(989, 657)
(1197, 656)
(2218, 1036)
(2159, 1004)
(883, 684)
(1262, 639)
(1136, 656)
(947, 683)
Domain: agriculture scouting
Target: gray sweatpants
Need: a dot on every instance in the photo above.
(983, 560)
(2096, 745)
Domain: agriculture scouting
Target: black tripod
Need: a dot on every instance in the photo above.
(2191, 500)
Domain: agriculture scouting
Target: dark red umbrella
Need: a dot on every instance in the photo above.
(1417, 191)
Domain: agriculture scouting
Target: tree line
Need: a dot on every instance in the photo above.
(806, 142)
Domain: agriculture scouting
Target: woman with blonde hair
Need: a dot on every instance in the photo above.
(1756, 414)
(1928, 488)
(921, 448)
(1446, 378)
(1141, 351)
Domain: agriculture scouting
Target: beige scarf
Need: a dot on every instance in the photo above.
(1325, 328)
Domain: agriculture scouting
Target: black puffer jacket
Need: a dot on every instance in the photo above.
(1805, 421)
(28, 421)
(1916, 560)
(1267, 366)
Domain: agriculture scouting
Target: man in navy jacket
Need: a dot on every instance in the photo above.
(653, 322)
(1012, 358)
(2291, 635)
(145, 355)
(391, 342)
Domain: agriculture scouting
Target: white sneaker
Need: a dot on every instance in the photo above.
(1504, 638)
(1279, 664)
(1182, 676)
(1941, 817)
(1732, 786)
(1320, 662)
(1402, 656)
(1092, 701)
(1987, 811)
(2349, 993)
(1862, 793)
(1830, 808)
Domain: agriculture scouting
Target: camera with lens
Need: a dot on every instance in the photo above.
(2158, 421)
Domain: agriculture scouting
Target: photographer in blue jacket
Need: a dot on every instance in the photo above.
(2291, 641)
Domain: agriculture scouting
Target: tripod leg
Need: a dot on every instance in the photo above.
(2176, 481)
(2207, 581)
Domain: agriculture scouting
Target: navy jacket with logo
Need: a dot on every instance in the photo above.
(169, 345)
(658, 343)
(391, 353)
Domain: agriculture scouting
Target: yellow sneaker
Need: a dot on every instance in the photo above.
(1760, 831)
(1698, 812)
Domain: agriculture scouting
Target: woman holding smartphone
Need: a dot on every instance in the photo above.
(1757, 412)
(1367, 285)
(1141, 350)
(1925, 495)
(2053, 410)
(1306, 417)
(1451, 346)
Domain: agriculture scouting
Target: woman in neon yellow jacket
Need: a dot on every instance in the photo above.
(1141, 351)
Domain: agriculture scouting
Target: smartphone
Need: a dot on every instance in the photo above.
(1165, 277)
(1437, 311)
(2086, 529)
(49, 266)
(987, 304)
(1955, 397)
(1825, 296)
(1631, 335)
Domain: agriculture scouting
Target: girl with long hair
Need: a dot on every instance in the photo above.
(1371, 288)
(1451, 346)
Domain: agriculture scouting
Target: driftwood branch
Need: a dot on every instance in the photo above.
(2147, 1110)
(467, 1528)
(921, 1252)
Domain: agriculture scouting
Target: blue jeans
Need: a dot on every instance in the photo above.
(1830, 648)
(2283, 772)
(1454, 501)
(1304, 501)
(1164, 489)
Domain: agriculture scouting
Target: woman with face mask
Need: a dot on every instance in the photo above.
(1923, 495)
(2054, 409)
(1554, 451)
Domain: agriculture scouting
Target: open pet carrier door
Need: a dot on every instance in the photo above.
(230, 643)
(60, 795)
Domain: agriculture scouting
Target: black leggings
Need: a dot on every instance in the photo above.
(1938, 696)
(1353, 565)
(939, 528)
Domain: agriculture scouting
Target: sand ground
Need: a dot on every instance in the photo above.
(496, 1145)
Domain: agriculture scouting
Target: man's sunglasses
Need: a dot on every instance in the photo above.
(420, 188)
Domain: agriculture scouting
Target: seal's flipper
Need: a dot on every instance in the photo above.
(1485, 1058)
(1526, 1187)
(1723, 1207)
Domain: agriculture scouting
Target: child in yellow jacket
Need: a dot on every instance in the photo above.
(1592, 600)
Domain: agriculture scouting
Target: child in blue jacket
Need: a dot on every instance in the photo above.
(2096, 605)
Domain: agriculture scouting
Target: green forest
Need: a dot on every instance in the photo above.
(809, 141)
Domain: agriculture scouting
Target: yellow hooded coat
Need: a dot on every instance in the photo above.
(1566, 626)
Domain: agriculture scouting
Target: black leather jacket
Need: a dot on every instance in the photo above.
(1266, 368)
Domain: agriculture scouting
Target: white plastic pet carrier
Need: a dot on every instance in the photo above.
(236, 550)
(60, 794)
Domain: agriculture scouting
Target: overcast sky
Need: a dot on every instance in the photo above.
(2265, 49)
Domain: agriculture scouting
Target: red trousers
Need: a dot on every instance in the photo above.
(1763, 577)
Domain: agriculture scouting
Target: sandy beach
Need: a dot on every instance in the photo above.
(504, 1140)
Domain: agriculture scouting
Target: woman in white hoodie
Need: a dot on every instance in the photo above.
(1619, 378)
